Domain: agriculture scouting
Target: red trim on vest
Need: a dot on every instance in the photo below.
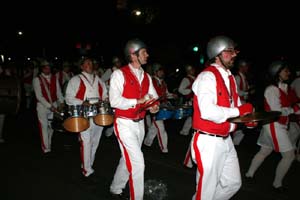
(133, 90)
(51, 86)
(81, 91)
(82, 88)
(222, 100)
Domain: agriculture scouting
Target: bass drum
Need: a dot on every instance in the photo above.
(10, 95)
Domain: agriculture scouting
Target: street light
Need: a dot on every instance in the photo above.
(20, 33)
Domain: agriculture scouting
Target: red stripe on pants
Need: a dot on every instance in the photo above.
(199, 167)
(127, 160)
(42, 138)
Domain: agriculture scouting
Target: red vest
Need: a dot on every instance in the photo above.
(161, 88)
(286, 100)
(222, 100)
(81, 90)
(51, 86)
(133, 90)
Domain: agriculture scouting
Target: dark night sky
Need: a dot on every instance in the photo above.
(263, 33)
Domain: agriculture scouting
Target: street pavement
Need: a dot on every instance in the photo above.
(27, 174)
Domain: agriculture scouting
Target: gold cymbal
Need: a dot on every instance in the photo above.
(255, 117)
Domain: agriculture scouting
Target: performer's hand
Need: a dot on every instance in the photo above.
(145, 99)
(61, 106)
(245, 109)
(86, 103)
(154, 109)
(53, 109)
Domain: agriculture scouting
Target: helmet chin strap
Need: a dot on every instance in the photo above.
(137, 55)
(221, 60)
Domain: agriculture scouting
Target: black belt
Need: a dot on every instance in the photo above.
(137, 120)
(213, 135)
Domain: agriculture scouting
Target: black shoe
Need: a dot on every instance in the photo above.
(90, 180)
(120, 196)
(280, 190)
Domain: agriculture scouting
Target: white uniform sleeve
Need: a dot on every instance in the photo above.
(272, 96)
(72, 87)
(183, 87)
(38, 93)
(116, 90)
(204, 88)
(106, 76)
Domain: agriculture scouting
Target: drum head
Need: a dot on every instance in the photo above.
(76, 124)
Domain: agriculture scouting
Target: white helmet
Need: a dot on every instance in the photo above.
(275, 67)
(218, 44)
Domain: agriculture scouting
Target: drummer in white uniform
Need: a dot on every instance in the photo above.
(87, 88)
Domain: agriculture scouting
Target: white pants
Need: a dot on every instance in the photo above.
(46, 132)
(89, 141)
(157, 128)
(131, 166)
(186, 126)
(218, 172)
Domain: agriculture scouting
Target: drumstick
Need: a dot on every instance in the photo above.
(149, 104)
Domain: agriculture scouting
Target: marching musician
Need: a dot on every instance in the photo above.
(49, 98)
(215, 101)
(86, 89)
(157, 127)
(274, 136)
(130, 90)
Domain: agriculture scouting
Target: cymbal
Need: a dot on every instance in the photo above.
(255, 117)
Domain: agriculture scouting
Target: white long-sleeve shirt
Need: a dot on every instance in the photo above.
(183, 87)
(38, 91)
(91, 92)
(204, 87)
(117, 86)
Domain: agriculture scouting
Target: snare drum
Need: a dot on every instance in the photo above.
(183, 111)
(76, 121)
(57, 121)
(90, 110)
(105, 115)
(164, 114)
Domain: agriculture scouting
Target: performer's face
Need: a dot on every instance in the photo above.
(87, 66)
(227, 57)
